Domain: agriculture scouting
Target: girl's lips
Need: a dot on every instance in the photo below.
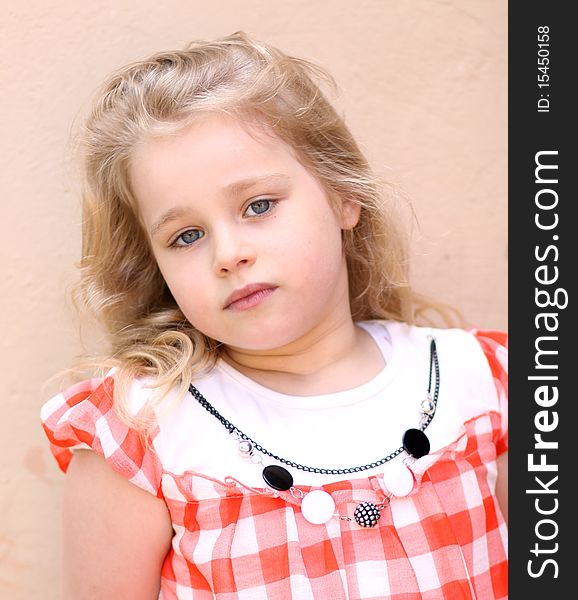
(249, 296)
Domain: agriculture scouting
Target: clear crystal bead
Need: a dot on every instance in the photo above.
(427, 406)
(245, 448)
(256, 458)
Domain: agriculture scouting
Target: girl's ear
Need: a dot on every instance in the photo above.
(350, 212)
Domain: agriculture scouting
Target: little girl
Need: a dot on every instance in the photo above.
(270, 424)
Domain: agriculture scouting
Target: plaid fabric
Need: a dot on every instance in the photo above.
(446, 540)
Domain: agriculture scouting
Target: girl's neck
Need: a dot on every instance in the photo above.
(338, 358)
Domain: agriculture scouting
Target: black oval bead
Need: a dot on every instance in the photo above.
(277, 477)
(415, 442)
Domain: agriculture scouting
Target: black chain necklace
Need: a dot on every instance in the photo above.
(414, 442)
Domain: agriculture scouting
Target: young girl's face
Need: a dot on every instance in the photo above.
(243, 234)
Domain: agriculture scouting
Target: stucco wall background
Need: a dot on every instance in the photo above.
(423, 87)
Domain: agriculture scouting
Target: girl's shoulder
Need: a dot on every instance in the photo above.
(465, 344)
(84, 416)
(475, 353)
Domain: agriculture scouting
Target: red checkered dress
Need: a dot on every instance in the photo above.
(446, 540)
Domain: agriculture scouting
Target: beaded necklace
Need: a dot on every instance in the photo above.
(317, 506)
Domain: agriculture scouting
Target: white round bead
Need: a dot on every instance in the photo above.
(398, 480)
(317, 507)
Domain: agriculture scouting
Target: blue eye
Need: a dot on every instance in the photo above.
(259, 207)
(188, 237)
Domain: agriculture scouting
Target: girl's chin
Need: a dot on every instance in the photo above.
(262, 344)
(267, 336)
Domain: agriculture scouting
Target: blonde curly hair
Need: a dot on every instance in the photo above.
(120, 282)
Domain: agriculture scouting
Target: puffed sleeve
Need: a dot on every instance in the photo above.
(83, 416)
(495, 347)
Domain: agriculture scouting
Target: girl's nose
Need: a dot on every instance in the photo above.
(231, 253)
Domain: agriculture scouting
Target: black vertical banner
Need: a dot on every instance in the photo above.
(543, 266)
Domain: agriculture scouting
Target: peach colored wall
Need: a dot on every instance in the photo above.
(423, 86)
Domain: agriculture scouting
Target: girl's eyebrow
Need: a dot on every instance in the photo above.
(232, 189)
(171, 215)
(244, 184)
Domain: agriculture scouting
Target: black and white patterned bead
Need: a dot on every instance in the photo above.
(366, 514)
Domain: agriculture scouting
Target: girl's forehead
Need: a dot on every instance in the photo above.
(216, 156)
(213, 139)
